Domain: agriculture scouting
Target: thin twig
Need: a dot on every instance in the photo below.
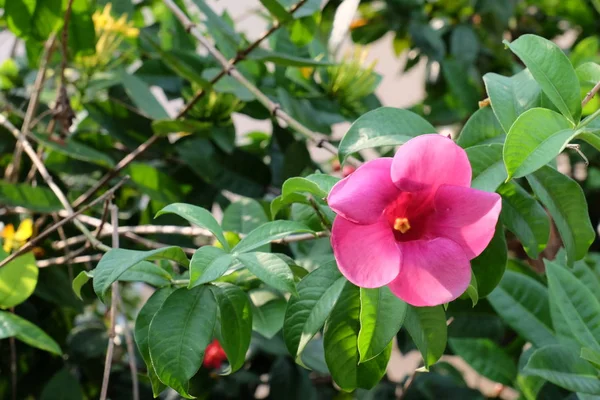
(13, 363)
(324, 221)
(113, 309)
(12, 172)
(68, 253)
(102, 219)
(197, 96)
(275, 109)
(130, 353)
(590, 95)
(63, 260)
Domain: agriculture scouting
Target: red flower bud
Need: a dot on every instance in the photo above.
(214, 355)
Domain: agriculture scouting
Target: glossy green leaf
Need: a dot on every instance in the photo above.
(243, 216)
(277, 10)
(197, 216)
(179, 333)
(489, 266)
(525, 217)
(385, 126)
(577, 304)
(236, 322)
(62, 386)
(489, 171)
(381, 317)
(482, 128)
(78, 151)
(279, 202)
(270, 269)
(154, 182)
(18, 279)
(82, 36)
(80, 280)
(307, 312)
(208, 263)
(147, 272)
(140, 94)
(535, 139)
(591, 355)
(40, 199)
(302, 185)
(512, 96)
(523, 303)
(553, 71)
(341, 345)
(142, 327)
(268, 232)
(428, 330)
(563, 367)
(586, 275)
(19, 16)
(12, 325)
(268, 310)
(486, 358)
(117, 261)
(565, 201)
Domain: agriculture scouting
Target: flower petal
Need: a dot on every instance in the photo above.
(428, 161)
(466, 216)
(367, 255)
(432, 272)
(362, 196)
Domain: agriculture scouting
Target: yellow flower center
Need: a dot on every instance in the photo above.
(402, 225)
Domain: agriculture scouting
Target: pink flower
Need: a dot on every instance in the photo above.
(412, 222)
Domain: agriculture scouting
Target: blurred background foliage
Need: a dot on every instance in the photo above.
(123, 56)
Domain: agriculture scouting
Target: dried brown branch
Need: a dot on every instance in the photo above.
(68, 253)
(151, 244)
(275, 109)
(114, 211)
(63, 260)
(130, 353)
(12, 172)
(590, 94)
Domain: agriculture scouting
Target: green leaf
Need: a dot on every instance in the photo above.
(277, 10)
(117, 261)
(427, 328)
(142, 327)
(179, 334)
(565, 201)
(563, 367)
(308, 8)
(535, 139)
(285, 59)
(489, 266)
(80, 280)
(62, 386)
(472, 291)
(482, 128)
(78, 151)
(577, 304)
(268, 316)
(227, 38)
(464, 44)
(38, 198)
(588, 277)
(523, 303)
(151, 181)
(381, 317)
(525, 217)
(147, 272)
(165, 126)
(553, 71)
(208, 263)
(268, 232)
(12, 325)
(18, 279)
(385, 126)
(270, 269)
(489, 171)
(197, 216)
(140, 94)
(512, 96)
(591, 355)
(307, 312)
(19, 16)
(302, 185)
(236, 322)
(341, 345)
(243, 216)
(82, 35)
(486, 358)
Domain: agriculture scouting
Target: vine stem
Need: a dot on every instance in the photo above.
(130, 354)
(590, 94)
(275, 109)
(113, 309)
(197, 96)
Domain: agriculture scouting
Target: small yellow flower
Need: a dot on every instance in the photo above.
(14, 240)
